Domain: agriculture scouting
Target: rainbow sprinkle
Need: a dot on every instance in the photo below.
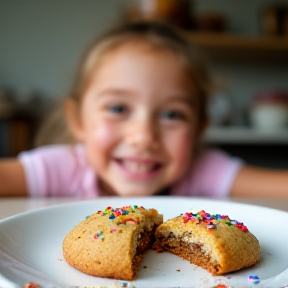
(113, 213)
(254, 279)
(99, 235)
(32, 285)
(211, 220)
(221, 286)
(117, 214)
(113, 230)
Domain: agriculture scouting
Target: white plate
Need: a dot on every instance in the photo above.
(31, 245)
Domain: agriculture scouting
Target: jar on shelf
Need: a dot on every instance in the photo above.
(269, 110)
(176, 12)
(220, 109)
(275, 20)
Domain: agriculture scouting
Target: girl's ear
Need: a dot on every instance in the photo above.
(72, 112)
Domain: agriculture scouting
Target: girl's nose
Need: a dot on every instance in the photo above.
(143, 134)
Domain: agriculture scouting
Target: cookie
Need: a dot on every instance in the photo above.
(214, 242)
(111, 243)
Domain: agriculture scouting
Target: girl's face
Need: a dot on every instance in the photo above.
(139, 121)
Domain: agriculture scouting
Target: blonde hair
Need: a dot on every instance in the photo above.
(157, 35)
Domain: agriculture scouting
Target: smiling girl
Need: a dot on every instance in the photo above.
(136, 113)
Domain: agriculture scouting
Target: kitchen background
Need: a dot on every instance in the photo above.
(246, 43)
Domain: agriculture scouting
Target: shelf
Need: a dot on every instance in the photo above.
(221, 46)
(243, 135)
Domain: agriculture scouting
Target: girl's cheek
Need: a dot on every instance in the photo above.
(182, 145)
(104, 133)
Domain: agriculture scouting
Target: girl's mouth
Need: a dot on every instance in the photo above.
(139, 169)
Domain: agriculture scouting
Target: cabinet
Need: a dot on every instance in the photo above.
(16, 134)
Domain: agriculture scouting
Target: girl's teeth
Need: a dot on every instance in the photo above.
(136, 167)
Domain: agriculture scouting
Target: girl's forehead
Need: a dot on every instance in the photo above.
(136, 60)
(131, 71)
(144, 47)
(142, 56)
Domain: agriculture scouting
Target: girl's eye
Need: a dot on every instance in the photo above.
(172, 115)
(118, 109)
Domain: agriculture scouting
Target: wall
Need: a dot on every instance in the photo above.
(41, 42)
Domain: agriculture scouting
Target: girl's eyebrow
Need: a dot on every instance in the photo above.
(179, 97)
(115, 92)
(183, 98)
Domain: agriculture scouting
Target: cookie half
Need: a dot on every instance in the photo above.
(111, 243)
(214, 242)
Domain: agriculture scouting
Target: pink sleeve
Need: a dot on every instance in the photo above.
(211, 176)
(57, 170)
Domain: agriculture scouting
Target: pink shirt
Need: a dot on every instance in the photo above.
(63, 170)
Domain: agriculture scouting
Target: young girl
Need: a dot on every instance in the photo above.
(137, 111)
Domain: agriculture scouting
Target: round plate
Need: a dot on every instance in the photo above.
(31, 245)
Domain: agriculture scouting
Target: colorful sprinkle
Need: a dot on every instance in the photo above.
(99, 235)
(131, 220)
(221, 283)
(211, 226)
(113, 230)
(211, 220)
(254, 279)
(32, 285)
(113, 213)
(124, 284)
(221, 286)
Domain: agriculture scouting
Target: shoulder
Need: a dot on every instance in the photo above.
(55, 169)
(63, 159)
(52, 153)
(55, 149)
(214, 158)
(216, 166)
(211, 174)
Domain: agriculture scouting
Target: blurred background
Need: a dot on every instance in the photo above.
(246, 44)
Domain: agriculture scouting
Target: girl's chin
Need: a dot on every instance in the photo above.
(135, 193)
(125, 191)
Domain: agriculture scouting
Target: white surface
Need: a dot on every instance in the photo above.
(31, 245)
